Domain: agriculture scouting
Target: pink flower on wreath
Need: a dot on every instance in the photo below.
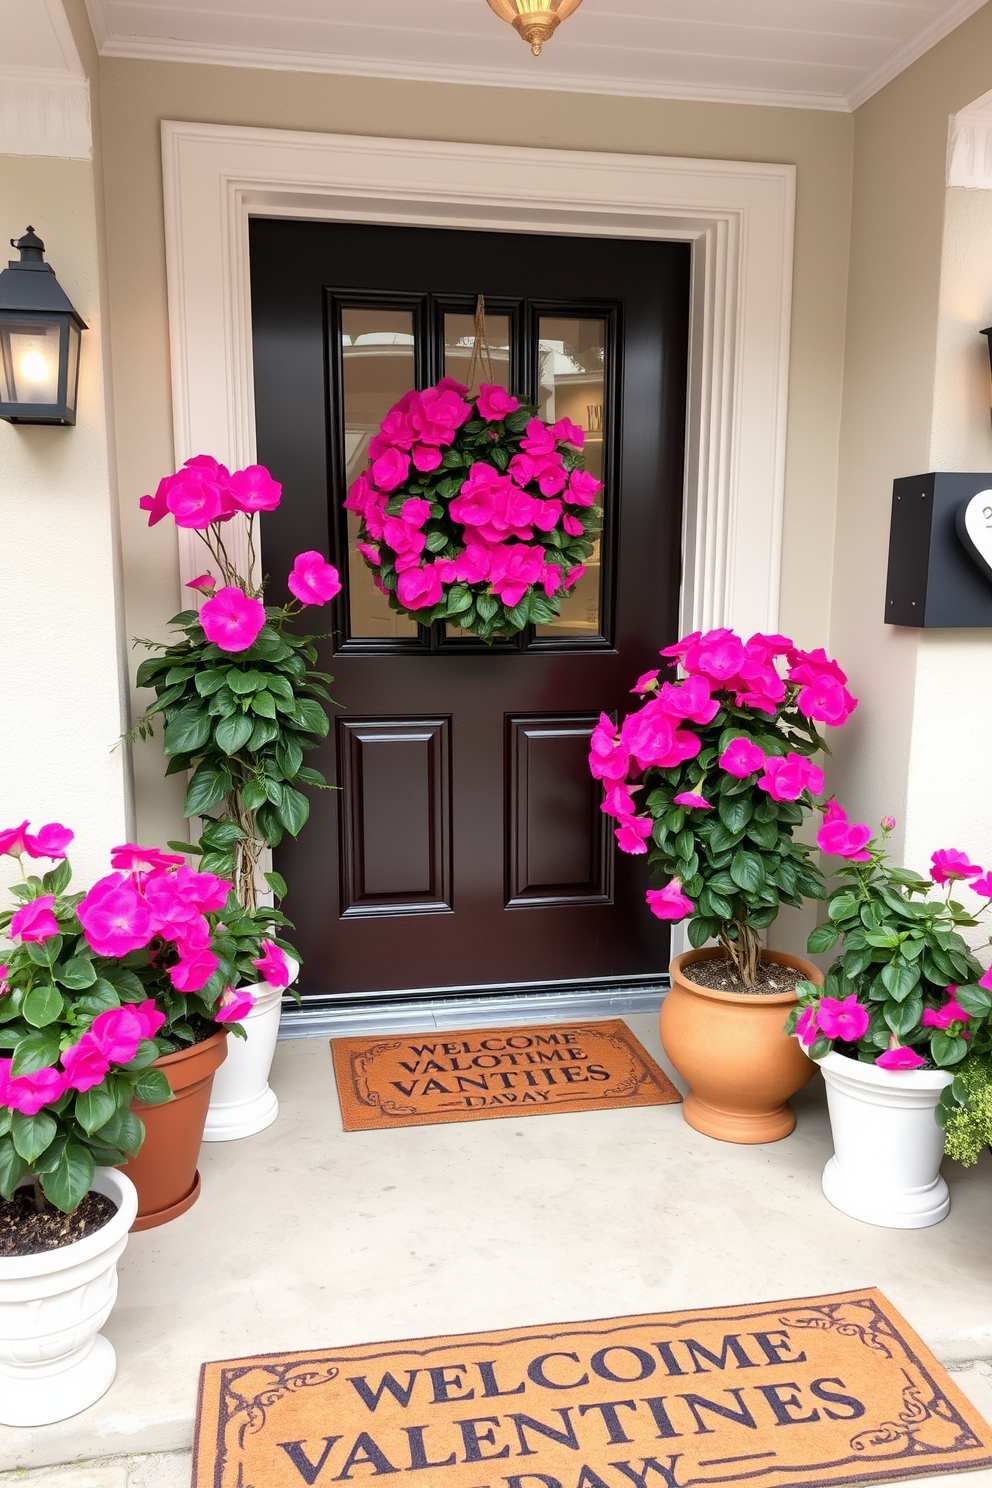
(415, 512)
(28, 1093)
(84, 1064)
(631, 833)
(539, 439)
(476, 502)
(253, 489)
(390, 470)
(574, 575)
(515, 567)
(807, 1029)
(569, 433)
(370, 554)
(494, 403)
(619, 800)
(898, 1057)
(669, 903)
(395, 431)
(234, 1005)
(426, 456)
(551, 579)
(741, 758)
(115, 917)
(843, 838)
(949, 864)
(572, 525)
(34, 921)
(232, 619)
(583, 488)
(843, 1019)
(609, 758)
(552, 477)
(951, 1012)
(786, 779)
(192, 973)
(313, 580)
(439, 412)
(273, 966)
(693, 801)
(419, 588)
(359, 494)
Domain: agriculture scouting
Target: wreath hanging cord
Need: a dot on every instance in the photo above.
(482, 353)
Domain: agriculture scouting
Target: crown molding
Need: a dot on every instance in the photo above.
(911, 50)
(969, 146)
(44, 113)
(161, 49)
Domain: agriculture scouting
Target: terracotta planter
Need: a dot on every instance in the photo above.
(164, 1171)
(730, 1047)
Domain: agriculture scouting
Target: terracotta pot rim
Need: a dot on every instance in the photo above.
(180, 1054)
(742, 999)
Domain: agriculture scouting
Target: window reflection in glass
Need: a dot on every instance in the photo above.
(378, 367)
(572, 385)
(459, 342)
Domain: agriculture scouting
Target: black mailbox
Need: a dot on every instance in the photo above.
(933, 579)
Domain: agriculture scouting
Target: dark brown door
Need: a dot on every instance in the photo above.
(464, 847)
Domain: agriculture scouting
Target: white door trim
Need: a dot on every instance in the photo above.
(738, 216)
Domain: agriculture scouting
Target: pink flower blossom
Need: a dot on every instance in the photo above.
(438, 412)
(888, 823)
(652, 737)
(608, 755)
(807, 1029)
(951, 1012)
(84, 1064)
(117, 1033)
(572, 525)
(551, 579)
(619, 800)
(741, 758)
(313, 580)
(569, 433)
(114, 917)
(669, 903)
(693, 801)
(205, 891)
(370, 554)
(476, 502)
(515, 567)
(646, 682)
(985, 980)
(253, 489)
(390, 470)
(13, 840)
(50, 841)
(574, 575)
(494, 403)
(419, 588)
(843, 838)
(359, 494)
(204, 582)
(194, 499)
(718, 655)
(415, 512)
(395, 430)
(192, 973)
(272, 965)
(583, 488)
(786, 779)
(823, 695)
(539, 439)
(689, 699)
(898, 1057)
(232, 619)
(949, 864)
(28, 1093)
(34, 921)
(845, 1019)
(631, 833)
(150, 1018)
(234, 1005)
(426, 456)
(129, 858)
(157, 506)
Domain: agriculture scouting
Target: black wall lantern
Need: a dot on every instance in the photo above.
(988, 334)
(39, 340)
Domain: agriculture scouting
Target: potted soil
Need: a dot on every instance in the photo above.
(114, 1011)
(902, 1029)
(710, 778)
(241, 702)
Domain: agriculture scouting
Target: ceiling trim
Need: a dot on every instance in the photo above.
(161, 49)
(44, 113)
(911, 50)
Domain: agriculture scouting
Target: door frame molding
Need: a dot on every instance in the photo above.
(738, 216)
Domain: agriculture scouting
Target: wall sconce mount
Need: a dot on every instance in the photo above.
(39, 340)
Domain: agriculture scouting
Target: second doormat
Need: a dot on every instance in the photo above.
(479, 1073)
(809, 1393)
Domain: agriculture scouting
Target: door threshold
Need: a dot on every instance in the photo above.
(473, 1010)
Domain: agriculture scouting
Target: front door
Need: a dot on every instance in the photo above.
(463, 846)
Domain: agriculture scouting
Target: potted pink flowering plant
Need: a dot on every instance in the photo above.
(98, 993)
(242, 700)
(901, 1027)
(709, 779)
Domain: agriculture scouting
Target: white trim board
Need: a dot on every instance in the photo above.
(739, 218)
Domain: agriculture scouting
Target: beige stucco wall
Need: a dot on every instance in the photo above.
(137, 95)
(915, 399)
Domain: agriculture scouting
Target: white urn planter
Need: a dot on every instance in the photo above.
(54, 1361)
(887, 1146)
(241, 1100)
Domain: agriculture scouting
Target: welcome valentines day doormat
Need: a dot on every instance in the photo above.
(483, 1072)
(812, 1391)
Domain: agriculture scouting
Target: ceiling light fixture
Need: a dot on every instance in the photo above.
(535, 20)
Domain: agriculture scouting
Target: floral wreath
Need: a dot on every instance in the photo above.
(475, 510)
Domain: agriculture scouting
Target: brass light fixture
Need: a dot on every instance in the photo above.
(535, 20)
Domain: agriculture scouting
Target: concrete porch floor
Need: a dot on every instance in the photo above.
(306, 1236)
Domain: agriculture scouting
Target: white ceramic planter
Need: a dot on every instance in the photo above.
(241, 1101)
(54, 1361)
(887, 1146)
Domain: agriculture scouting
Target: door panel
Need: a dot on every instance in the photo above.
(465, 847)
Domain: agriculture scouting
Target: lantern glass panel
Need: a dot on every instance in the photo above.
(29, 361)
(72, 365)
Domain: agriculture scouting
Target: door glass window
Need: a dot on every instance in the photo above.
(459, 342)
(377, 368)
(572, 385)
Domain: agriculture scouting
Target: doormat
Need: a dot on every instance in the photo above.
(811, 1391)
(479, 1073)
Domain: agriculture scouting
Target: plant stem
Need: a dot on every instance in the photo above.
(246, 854)
(39, 1197)
(743, 950)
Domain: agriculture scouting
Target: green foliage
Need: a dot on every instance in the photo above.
(965, 1111)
